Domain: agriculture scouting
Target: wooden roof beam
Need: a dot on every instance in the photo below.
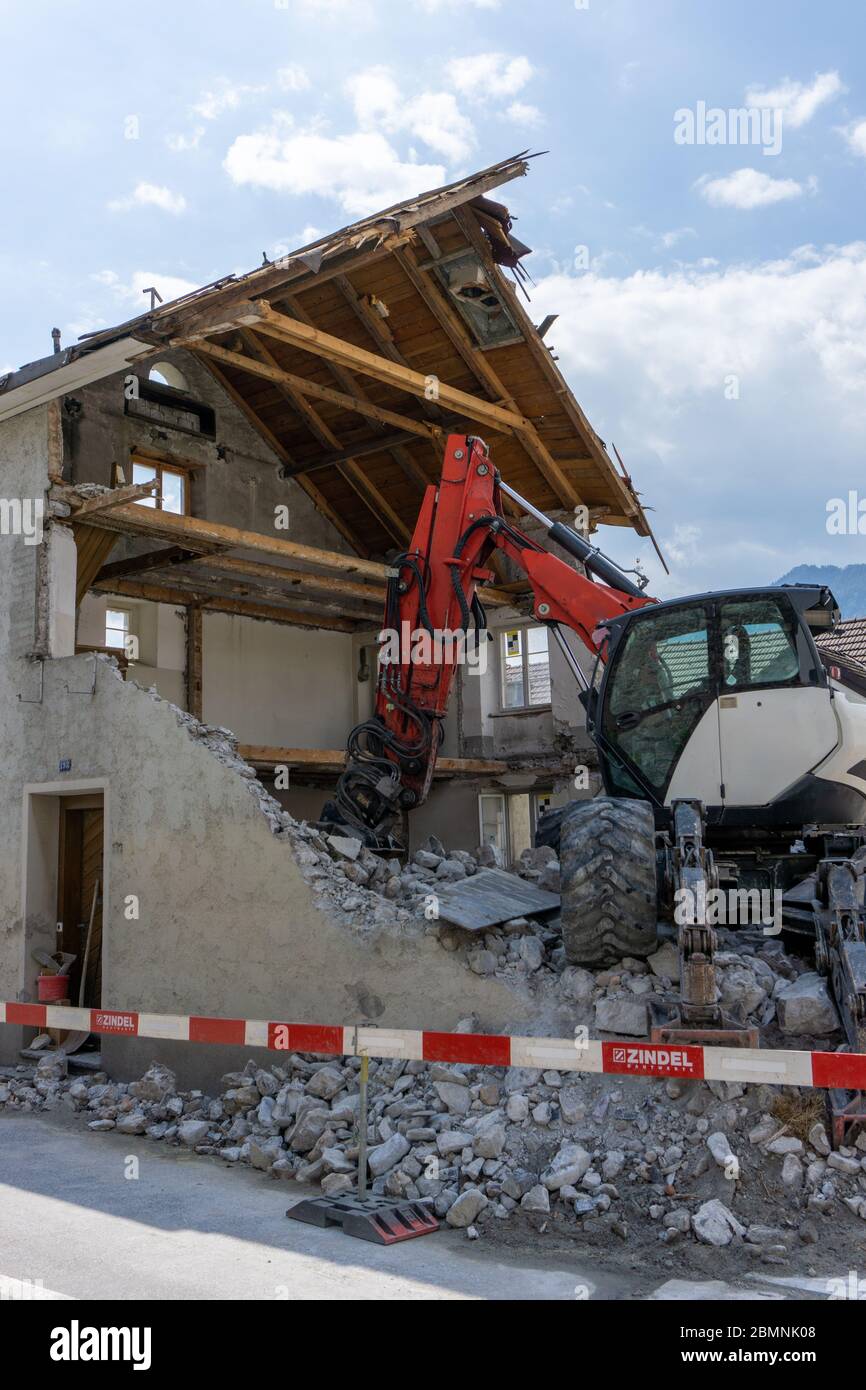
(479, 364)
(210, 603)
(199, 534)
(344, 588)
(542, 355)
(371, 364)
(335, 758)
(318, 498)
(349, 382)
(302, 384)
(322, 432)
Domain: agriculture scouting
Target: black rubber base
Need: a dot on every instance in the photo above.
(378, 1219)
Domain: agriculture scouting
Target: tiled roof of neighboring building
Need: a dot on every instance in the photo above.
(847, 641)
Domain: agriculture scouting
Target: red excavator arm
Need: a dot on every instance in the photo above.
(434, 621)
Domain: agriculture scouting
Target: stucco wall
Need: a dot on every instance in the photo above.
(225, 922)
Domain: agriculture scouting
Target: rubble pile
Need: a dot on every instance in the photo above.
(675, 1160)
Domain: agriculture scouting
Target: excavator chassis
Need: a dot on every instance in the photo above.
(689, 876)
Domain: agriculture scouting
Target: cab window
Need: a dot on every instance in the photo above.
(658, 689)
(759, 644)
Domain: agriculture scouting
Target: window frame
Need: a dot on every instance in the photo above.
(621, 774)
(524, 652)
(160, 468)
(506, 798)
(127, 630)
(792, 627)
(500, 796)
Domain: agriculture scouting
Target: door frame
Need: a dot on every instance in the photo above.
(40, 859)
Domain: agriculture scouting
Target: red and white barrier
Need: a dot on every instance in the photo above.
(846, 1070)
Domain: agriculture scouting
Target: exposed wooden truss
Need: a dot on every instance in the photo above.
(265, 319)
(194, 660)
(334, 760)
(304, 387)
(107, 501)
(316, 496)
(217, 603)
(199, 535)
(480, 366)
(322, 432)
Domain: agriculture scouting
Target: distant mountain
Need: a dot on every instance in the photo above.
(848, 583)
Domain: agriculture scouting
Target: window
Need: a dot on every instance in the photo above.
(658, 690)
(759, 644)
(116, 628)
(167, 374)
(173, 486)
(508, 821)
(525, 668)
(493, 822)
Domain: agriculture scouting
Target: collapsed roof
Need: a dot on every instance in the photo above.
(354, 355)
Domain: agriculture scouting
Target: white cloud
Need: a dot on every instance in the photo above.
(667, 240)
(798, 101)
(356, 9)
(305, 237)
(749, 188)
(855, 135)
(483, 76)
(737, 397)
(523, 113)
(225, 96)
(132, 291)
(150, 195)
(432, 6)
(362, 172)
(180, 143)
(294, 78)
(433, 117)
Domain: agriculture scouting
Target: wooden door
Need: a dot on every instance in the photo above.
(80, 881)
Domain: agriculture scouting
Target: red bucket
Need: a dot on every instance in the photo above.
(52, 988)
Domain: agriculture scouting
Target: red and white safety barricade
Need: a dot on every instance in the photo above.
(846, 1070)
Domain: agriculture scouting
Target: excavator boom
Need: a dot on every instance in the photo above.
(435, 621)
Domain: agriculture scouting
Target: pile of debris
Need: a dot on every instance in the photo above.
(714, 1162)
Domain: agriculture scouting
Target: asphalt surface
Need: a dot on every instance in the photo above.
(105, 1216)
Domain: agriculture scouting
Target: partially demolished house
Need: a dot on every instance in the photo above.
(224, 480)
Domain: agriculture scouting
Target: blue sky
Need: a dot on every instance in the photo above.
(714, 326)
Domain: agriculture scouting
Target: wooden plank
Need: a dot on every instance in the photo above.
(447, 317)
(630, 505)
(262, 755)
(153, 560)
(321, 431)
(118, 497)
(318, 498)
(381, 368)
(93, 548)
(197, 533)
(345, 588)
(305, 387)
(491, 896)
(182, 598)
(194, 659)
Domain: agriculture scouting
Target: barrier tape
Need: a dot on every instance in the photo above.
(846, 1070)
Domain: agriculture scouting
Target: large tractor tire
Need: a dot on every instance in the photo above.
(608, 865)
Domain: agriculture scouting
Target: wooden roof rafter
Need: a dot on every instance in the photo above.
(324, 435)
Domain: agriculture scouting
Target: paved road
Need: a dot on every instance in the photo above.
(194, 1228)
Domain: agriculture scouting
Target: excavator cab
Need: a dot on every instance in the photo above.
(723, 698)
